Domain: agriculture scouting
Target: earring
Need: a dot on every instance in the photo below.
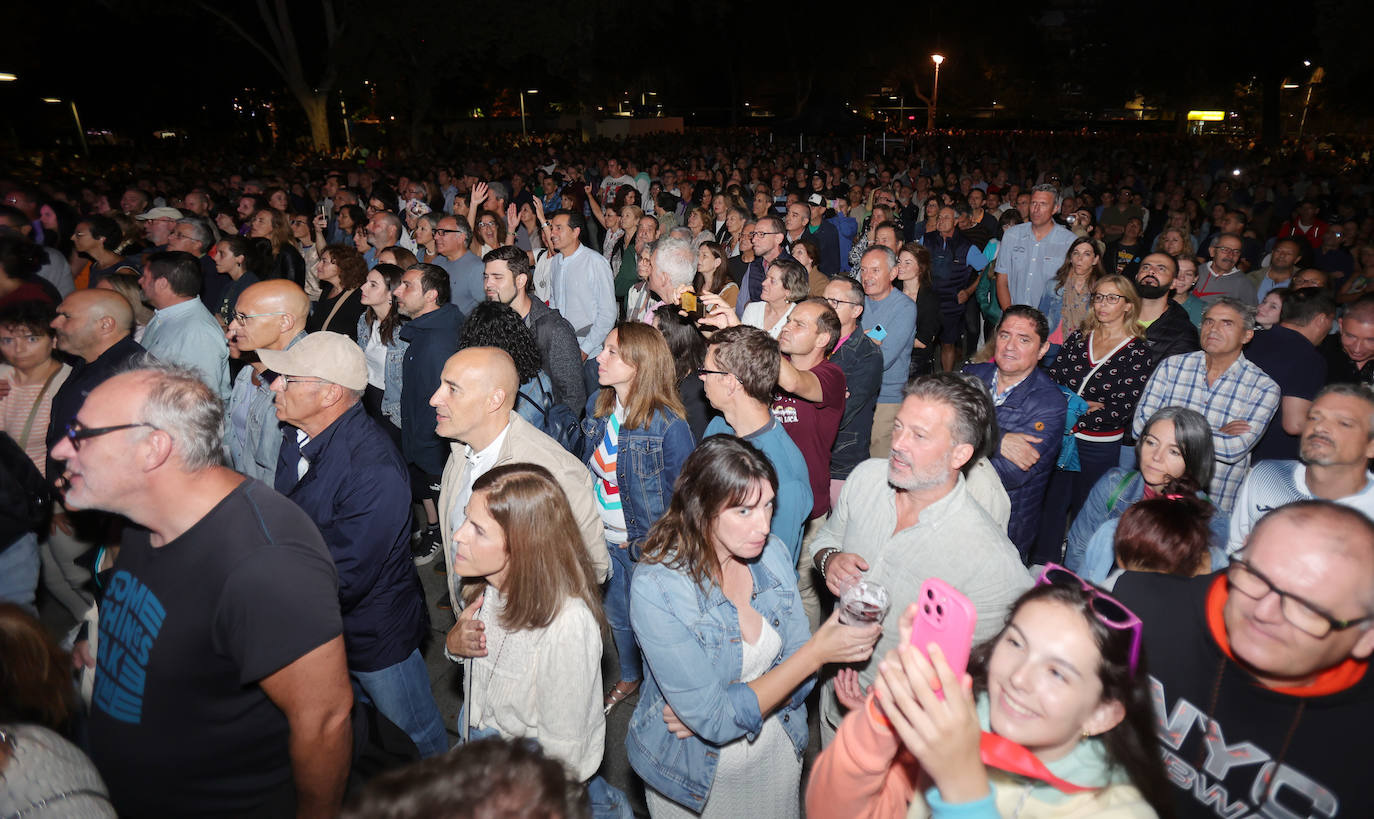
(1087, 735)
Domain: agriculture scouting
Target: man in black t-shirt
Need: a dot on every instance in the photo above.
(220, 683)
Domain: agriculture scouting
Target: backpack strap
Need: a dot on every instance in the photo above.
(1120, 487)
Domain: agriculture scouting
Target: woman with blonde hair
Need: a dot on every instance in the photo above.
(1106, 363)
(532, 634)
(636, 438)
(287, 262)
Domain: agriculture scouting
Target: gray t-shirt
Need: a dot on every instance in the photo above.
(464, 280)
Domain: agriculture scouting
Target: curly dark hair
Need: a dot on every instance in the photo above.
(493, 324)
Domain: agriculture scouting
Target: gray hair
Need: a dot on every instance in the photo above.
(392, 220)
(1246, 311)
(200, 231)
(965, 394)
(888, 255)
(681, 232)
(181, 404)
(461, 225)
(1045, 187)
(675, 258)
(497, 190)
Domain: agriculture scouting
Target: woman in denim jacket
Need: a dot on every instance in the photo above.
(720, 727)
(636, 438)
(384, 348)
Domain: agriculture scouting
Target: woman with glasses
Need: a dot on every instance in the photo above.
(1053, 719)
(342, 272)
(489, 233)
(1106, 363)
(720, 726)
(635, 440)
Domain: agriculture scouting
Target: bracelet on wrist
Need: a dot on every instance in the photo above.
(823, 559)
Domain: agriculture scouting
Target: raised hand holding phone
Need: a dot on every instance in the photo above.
(946, 618)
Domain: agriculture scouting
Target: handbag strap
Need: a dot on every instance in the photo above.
(1120, 487)
(1105, 359)
(33, 411)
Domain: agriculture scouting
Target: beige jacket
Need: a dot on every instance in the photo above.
(526, 444)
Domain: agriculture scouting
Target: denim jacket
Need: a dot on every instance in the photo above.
(395, 362)
(646, 467)
(693, 650)
(257, 456)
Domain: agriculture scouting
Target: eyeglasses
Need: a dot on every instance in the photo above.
(445, 231)
(704, 371)
(1107, 298)
(242, 318)
(1109, 611)
(486, 224)
(183, 237)
(838, 302)
(1303, 615)
(77, 432)
(763, 233)
(295, 379)
(1226, 251)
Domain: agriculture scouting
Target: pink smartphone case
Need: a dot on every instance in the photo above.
(945, 617)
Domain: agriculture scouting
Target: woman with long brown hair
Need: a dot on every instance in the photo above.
(385, 350)
(636, 438)
(720, 727)
(713, 273)
(532, 635)
(287, 262)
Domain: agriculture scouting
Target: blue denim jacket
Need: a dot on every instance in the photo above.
(257, 456)
(647, 466)
(693, 651)
(395, 362)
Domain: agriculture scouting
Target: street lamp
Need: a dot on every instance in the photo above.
(934, 94)
(523, 92)
(80, 132)
(7, 77)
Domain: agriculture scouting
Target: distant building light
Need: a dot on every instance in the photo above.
(1291, 85)
(51, 100)
(1206, 116)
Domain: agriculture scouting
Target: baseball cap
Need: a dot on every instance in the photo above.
(159, 213)
(331, 357)
(816, 199)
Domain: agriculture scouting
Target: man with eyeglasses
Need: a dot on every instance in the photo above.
(1235, 396)
(452, 239)
(220, 677)
(158, 224)
(766, 241)
(269, 315)
(861, 361)
(96, 328)
(1260, 674)
(1222, 276)
(193, 235)
(343, 471)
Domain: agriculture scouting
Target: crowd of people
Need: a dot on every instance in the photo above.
(673, 400)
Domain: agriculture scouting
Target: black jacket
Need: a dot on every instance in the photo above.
(562, 359)
(86, 376)
(1171, 334)
(433, 338)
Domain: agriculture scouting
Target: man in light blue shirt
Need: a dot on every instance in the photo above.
(451, 239)
(582, 287)
(182, 331)
(1032, 252)
(889, 318)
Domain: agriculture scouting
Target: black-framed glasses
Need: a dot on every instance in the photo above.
(296, 379)
(1107, 298)
(242, 318)
(704, 371)
(764, 233)
(837, 302)
(77, 432)
(1304, 616)
(445, 231)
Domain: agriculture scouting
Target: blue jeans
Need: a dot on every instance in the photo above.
(401, 693)
(19, 572)
(607, 801)
(618, 613)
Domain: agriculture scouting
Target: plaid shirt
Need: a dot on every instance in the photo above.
(1242, 393)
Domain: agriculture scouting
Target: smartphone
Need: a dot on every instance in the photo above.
(946, 618)
(690, 303)
(878, 333)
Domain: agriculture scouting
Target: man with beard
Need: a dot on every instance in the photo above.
(911, 517)
(1333, 462)
(1168, 329)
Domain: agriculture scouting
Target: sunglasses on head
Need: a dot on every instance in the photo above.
(1109, 611)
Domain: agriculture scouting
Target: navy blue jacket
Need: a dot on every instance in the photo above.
(861, 361)
(433, 338)
(357, 492)
(85, 376)
(950, 271)
(1035, 407)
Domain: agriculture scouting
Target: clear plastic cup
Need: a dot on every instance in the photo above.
(862, 603)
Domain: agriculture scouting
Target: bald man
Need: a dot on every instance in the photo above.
(474, 408)
(269, 315)
(96, 327)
